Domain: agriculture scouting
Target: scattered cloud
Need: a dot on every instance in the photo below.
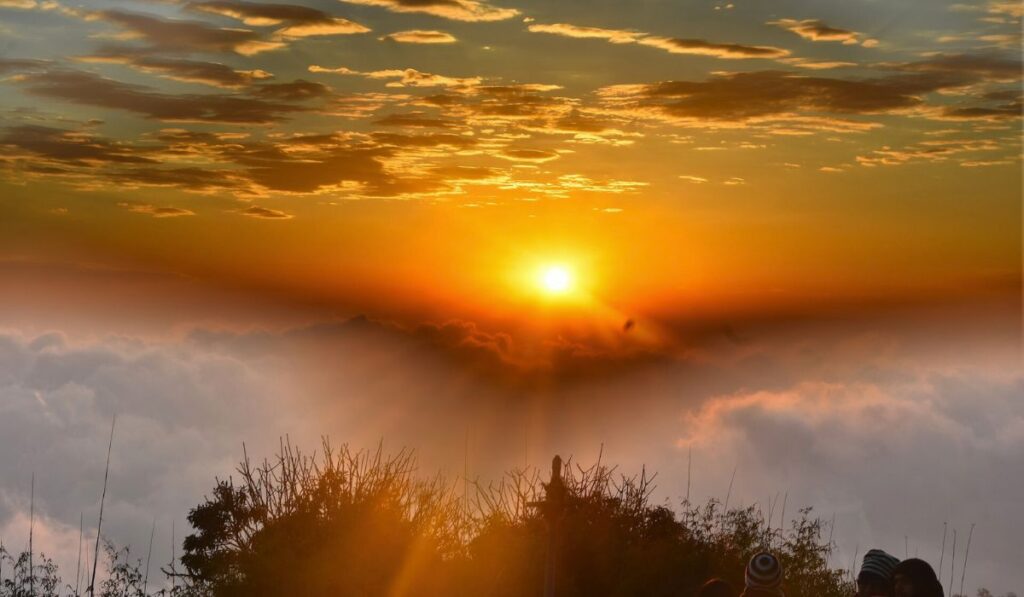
(456, 10)
(408, 77)
(615, 36)
(179, 69)
(176, 35)
(529, 155)
(700, 47)
(12, 65)
(817, 64)
(90, 89)
(264, 213)
(744, 96)
(299, 21)
(967, 68)
(672, 45)
(67, 147)
(420, 36)
(816, 30)
(156, 211)
(20, 4)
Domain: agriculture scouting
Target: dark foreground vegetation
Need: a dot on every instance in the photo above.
(344, 523)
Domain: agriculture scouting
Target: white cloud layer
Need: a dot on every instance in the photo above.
(893, 448)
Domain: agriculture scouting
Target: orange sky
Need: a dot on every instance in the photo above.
(410, 160)
(792, 228)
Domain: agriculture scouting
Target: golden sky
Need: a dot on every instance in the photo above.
(783, 234)
(426, 159)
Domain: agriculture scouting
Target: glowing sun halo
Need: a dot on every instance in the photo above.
(556, 279)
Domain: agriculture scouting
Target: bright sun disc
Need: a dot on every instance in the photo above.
(556, 279)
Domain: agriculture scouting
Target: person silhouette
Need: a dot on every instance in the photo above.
(875, 577)
(763, 576)
(716, 587)
(915, 578)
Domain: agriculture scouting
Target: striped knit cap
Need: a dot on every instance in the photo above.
(764, 573)
(879, 563)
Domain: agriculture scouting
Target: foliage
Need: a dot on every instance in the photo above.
(25, 575)
(346, 523)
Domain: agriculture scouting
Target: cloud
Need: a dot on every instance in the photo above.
(188, 178)
(835, 419)
(94, 90)
(968, 68)
(420, 36)
(336, 26)
(187, 36)
(67, 147)
(86, 160)
(702, 47)
(485, 105)
(615, 36)
(1009, 8)
(672, 45)
(413, 78)
(301, 21)
(294, 91)
(327, 164)
(457, 10)
(264, 213)
(416, 120)
(157, 211)
(749, 95)
(817, 64)
(408, 77)
(181, 416)
(846, 447)
(260, 14)
(528, 155)
(9, 65)
(20, 4)
(178, 69)
(962, 150)
(816, 30)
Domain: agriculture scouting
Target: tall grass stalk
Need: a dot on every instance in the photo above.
(99, 524)
(967, 552)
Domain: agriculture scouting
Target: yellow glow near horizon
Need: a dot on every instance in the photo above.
(556, 279)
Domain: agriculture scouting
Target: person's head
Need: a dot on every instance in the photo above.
(875, 577)
(763, 576)
(915, 578)
(716, 587)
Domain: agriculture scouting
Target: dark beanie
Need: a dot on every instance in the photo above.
(716, 587)
(878, 564)
(764, 574)
(921, 574)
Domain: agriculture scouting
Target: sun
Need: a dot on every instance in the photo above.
(555, 279)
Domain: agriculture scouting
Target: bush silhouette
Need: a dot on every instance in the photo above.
(361, 523)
